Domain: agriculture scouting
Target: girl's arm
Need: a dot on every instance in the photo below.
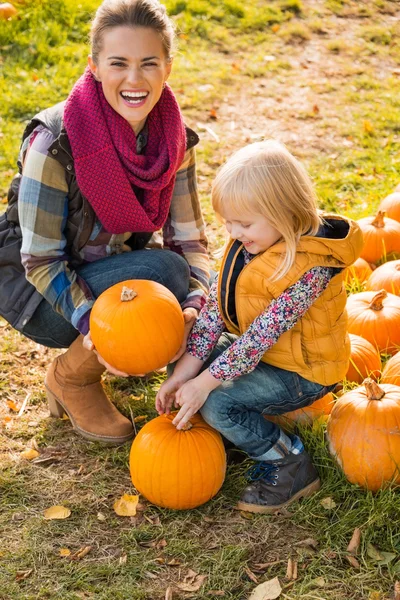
(43, 210)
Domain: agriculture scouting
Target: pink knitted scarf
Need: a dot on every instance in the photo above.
(107, 166)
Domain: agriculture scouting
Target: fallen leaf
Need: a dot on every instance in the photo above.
(310, 542)
(213, 114)
(126, 506)
(275, 28)
(251, 575)
(168, 594)
(315, 109)
(291, 571)
(368, 128)
(161, 544)
(373, 552)
(21, 575)
(81, 553)
(318, 581)
(29, 454)
(353, 561)
(122, 559)
(64, 552)
(101, 517)
(140, 419)
(174, 562)
(269, 590)
(328, 503)
(355, 541)
(387, 557)
(192, 582)
(397, 590)
(12, 405)
(56, 512)
(133, 397)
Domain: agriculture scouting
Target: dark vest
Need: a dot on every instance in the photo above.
(19, 298)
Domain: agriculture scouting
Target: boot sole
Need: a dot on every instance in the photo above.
(57, 409)
(265, 510)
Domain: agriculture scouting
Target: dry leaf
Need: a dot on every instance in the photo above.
(269, 590)
(192, 583)
(123, 559)
(126, 506)
(251, 575)
(64, 552)
(328, 503)
(81, 553)
(373, 552)
(310, 542)
(20, 575)
(275, 28)
(29, 454)
(353, 561)
(12, 405)
(397, 590)
(133, 397)
(318, 581)
(168, 594)
(355, 541)
(140, 419)
(291, 571)
(368, 128)
(101, 517)
(56, 512)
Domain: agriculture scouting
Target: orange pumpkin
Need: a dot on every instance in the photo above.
(391, 205)
(360, 270)
(365, 360)
(381, 237)
(391, 371)
(386, 277)
(177, 469)
(306, 415)
(7, 11)
(137, 326)
(375, 316)
(363, 434)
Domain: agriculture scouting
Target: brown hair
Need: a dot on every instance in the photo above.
(132, 13)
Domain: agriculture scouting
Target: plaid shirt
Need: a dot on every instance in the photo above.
(43, 212)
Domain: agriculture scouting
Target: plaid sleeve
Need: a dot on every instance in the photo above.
(43, 211)
(184, 231)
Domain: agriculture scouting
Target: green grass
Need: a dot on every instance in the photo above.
(323, 78)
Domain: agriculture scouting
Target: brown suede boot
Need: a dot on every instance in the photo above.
(74, 387)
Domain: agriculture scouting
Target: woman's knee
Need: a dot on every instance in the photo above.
(215, 411)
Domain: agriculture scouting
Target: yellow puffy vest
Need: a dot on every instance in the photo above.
(317, 347)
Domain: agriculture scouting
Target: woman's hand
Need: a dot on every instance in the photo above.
(190, 315)
(192, 395)
(88, 344)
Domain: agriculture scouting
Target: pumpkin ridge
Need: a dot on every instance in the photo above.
(211, 439)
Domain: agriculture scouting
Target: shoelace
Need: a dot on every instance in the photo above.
(265, 471)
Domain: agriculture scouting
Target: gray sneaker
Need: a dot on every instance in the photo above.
(278, 483)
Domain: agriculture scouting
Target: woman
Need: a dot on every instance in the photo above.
(98, 175)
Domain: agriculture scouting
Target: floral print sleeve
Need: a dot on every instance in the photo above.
(281, 315)
(208, 327)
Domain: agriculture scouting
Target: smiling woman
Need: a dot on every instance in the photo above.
(99, 174)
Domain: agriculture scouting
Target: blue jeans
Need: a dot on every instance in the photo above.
(236, 407)
(50, 329)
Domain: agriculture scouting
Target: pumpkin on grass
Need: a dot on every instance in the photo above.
(365, 360)
(363, 434)
(386, 277)
(306, 415)
(375, 316)
(359, 271)
(391, 371)
(391, 205)
(177, 469)
(381, 237)
(137, 326)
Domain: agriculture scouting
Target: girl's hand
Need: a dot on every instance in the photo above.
(166, 395)
(190, 315)
(190, 397)
(88, 344)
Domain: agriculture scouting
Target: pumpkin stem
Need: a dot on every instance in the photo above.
(374, 392)
(379, 220)
(127, 294)
(377, 301)
(187, 426)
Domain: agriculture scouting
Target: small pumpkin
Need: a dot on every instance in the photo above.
(137, 326)
(7, 11)
(391, 371)
(386, 277)
(363, 434)
(360, 270)
(375, 316)
(391, 205)
(306, 415)
(177, 469)
(365, 360)
(381, 237)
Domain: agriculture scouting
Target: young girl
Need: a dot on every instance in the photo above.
(272, 337)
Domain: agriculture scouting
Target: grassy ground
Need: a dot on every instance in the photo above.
(323, 77)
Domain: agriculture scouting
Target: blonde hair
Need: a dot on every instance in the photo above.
(265, 179)
(132, 13)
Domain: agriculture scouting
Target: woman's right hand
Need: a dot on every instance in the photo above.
(88, 344)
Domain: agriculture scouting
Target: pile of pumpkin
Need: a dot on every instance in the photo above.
(363, 425)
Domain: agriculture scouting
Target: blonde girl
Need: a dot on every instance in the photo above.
(272, 337)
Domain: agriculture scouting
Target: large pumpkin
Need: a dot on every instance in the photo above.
(365, 360)
(359, 271)
(306, 415)
(386, 277)
(177, 469)
(391, 205)
(363, 434)
(381, 237)
(375, 316)
(391, 371)
(137, 326)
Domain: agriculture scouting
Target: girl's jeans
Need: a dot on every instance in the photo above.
(168, 268)
(236, 407)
